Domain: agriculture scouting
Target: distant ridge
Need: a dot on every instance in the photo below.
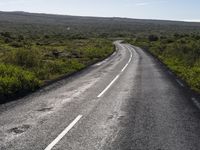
(64, 16)
(34, 23)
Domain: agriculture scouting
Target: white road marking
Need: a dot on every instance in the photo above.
(196, 102)
(108, 86)
(62, 134)
(179, 82)
(128, 61)
(124, 68)
(113, 81)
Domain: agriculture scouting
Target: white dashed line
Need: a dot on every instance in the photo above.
(113, 81)
(108, 86)
(124, 68)
(61, 135)
(128, 61)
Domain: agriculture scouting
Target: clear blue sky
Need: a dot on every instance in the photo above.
(144, 9)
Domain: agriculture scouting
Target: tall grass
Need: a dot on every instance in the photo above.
(14, 80)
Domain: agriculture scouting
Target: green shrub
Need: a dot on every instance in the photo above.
(24, 58)
(153, 38)
(32, 64)
(15, 80)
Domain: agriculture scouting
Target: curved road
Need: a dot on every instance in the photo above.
(127, 102)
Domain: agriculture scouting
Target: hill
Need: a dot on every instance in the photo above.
(35, 24)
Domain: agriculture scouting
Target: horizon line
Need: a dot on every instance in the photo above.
(155, 19)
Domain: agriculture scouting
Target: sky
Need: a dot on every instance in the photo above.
(185, 10)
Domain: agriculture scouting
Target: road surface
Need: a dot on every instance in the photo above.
(127, 102)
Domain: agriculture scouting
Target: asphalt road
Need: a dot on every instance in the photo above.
(127, 102)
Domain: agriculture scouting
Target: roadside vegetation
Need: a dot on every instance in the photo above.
(38, 48)
(180, 52)
(26, 64)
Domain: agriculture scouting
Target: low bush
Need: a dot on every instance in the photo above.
(24, 58)
(27, 67)
(15, 80)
